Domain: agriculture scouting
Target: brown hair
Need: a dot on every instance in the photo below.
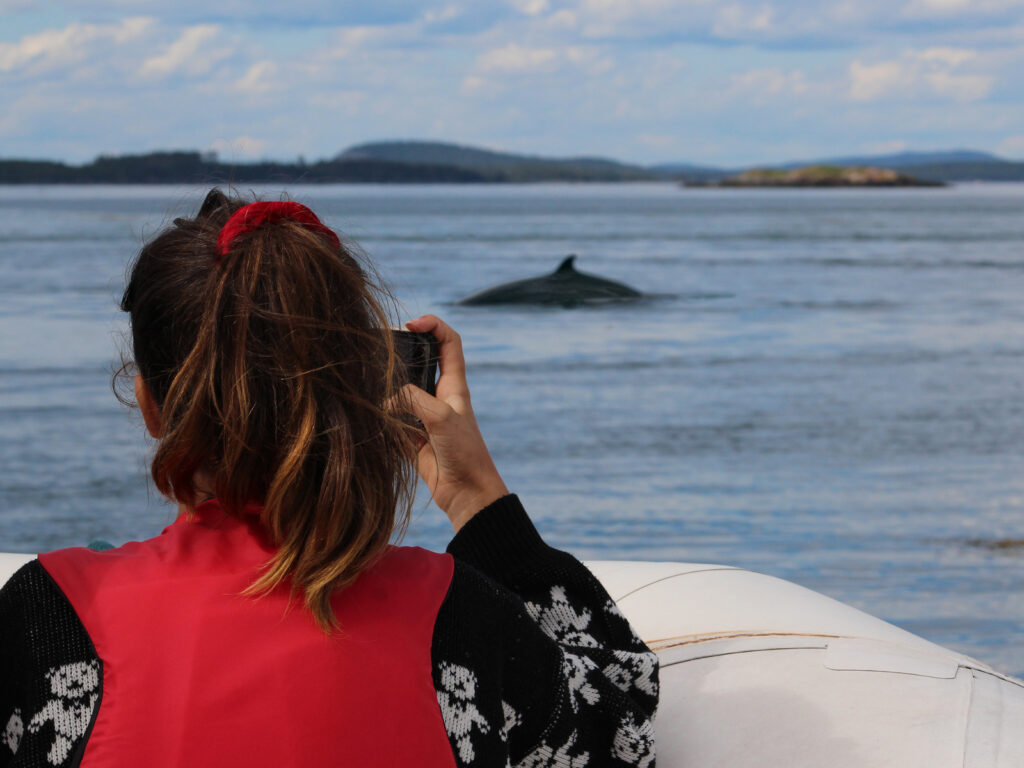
(273, 369)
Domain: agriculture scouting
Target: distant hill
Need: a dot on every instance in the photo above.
(691, 172)
(996, 170)
(498, 166)
(906, 159)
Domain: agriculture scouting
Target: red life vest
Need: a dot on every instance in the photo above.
(195, 674)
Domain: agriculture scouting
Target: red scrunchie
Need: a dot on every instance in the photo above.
(254, 215)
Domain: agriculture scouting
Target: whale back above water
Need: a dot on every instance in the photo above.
(565, 286)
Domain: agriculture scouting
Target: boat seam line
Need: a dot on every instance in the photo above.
(675, 575)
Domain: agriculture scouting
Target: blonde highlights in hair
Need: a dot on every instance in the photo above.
(274, 370)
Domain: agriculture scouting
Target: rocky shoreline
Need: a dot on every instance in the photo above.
(823, 176)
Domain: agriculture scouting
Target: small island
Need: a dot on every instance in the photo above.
(825, 176)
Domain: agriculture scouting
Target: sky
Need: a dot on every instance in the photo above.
(714, 82)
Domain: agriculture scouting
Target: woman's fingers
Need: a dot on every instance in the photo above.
(428, 409)
(451, 360)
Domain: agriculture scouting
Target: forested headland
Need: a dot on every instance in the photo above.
(205, 168)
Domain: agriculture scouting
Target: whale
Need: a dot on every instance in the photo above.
(565, 286)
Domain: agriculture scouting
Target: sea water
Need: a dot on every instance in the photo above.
(830, 388)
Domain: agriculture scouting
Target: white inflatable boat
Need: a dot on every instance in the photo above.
(757, 671)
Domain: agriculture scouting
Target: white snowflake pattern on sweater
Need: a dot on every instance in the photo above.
(634, 670)
(634, 742)
(576, 670)
(512, 719)
(74, 687)
(612, 609)
(13, 732)
(561, 622)
(458, 708)
(546, 756)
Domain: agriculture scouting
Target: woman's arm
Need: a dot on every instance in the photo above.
(49, 674)
(533, 663)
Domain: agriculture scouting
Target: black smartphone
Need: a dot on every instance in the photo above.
(419, 353)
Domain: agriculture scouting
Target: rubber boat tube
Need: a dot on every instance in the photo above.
(757, 671)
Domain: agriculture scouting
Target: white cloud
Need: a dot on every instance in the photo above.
(758, 22)
(769, 82)
(1012, 145)
(55, 48)
(869, 81)
(563, 20)
(435, 15)
(738, 21)
(240, 146)
(472, 84)
(960, 87)
(801, 24)
(615, 18)
(931, 72)
(938, 6)
(952, 57)
(658, 141)
(516, 59)
(947, 8)
(350, 41)
(886, 147)
(588, 60)
(346, 101)
(183, 56)
(530, 7)
(258, 79)
(492, 68)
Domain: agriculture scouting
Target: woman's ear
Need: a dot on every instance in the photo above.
(150, 410)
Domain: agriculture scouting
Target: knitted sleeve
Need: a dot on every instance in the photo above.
(50, 675)
(534, 665)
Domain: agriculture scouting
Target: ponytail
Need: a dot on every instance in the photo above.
(273, 365)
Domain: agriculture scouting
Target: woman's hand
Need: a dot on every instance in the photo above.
(454, 462)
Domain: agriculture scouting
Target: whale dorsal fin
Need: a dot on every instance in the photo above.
(566, 265)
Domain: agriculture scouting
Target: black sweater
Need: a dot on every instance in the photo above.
(533, 663)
